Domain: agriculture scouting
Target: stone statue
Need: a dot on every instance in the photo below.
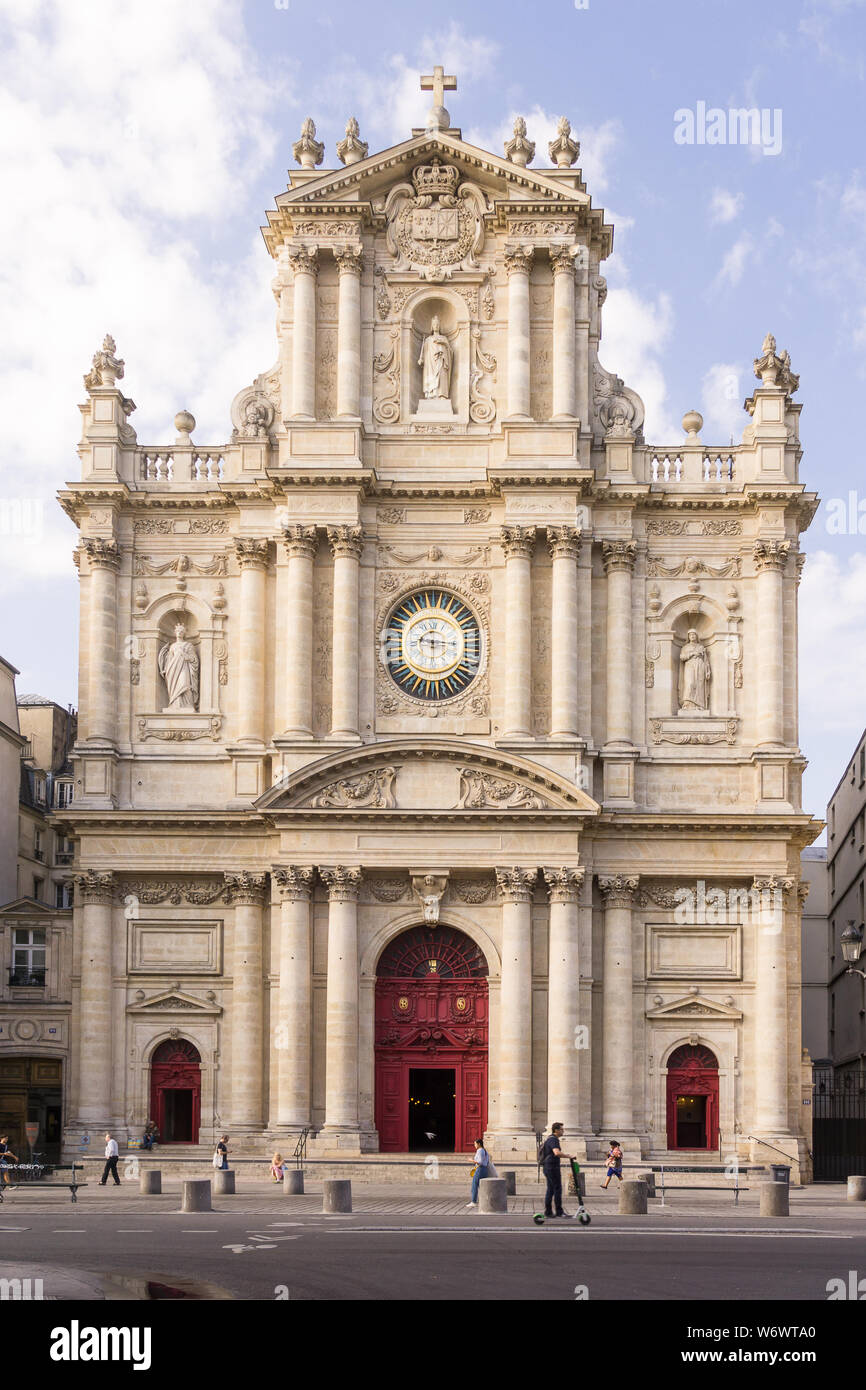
(430, 903)
(179, 667)
(695, 674)
(436, 361)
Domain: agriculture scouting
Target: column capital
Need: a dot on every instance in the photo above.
(519, 259)
(300, 540)
(564, 885)
(517, 540)
(342, 883)
(303, 260)
(803, 892)
(246, 889)
(346, 541)
(102, 554)
(618, 890)
(91, 886)
(774, 883)
(771, 555)
(516, 885)
(252, 554)
(562, 260)
(564, 541)
(348, 259)
(618, 555)
(294, 883)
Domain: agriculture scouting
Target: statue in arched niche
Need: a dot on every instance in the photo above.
(695, 675)
(179, 668)
(435, 360)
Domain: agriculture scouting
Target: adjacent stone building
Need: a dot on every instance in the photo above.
(438, 770)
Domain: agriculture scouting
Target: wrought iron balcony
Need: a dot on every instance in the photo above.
(20, 975)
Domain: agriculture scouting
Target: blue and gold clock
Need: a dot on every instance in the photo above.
(434, 645)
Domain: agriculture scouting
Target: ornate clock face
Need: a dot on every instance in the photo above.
(434, 645)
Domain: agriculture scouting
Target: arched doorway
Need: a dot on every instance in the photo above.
(175, 1091)
(693, 1098)
(431, 1042)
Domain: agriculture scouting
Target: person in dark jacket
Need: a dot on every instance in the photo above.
(551, 1154)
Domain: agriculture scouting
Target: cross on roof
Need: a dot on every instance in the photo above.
(438, 84)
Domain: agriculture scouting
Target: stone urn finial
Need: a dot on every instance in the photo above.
(519, 150)
(693, 423)
(184, 423)
(308, 151)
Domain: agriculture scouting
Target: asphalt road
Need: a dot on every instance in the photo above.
(255, 1248)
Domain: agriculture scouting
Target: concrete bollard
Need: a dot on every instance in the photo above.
(857, 1187)
(293, 1180)
(150, 1181)
(224, 1182)
(196, 1195)
(492, 1196)
(632, 1198)
(336, 1195)
(510, 1182)
(774, 1198)
(650, 1180)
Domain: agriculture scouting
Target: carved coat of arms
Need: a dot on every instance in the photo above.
(435, 223)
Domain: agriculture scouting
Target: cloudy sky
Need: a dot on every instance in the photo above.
(142, 142)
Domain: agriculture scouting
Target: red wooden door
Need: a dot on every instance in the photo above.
(693, 1071)
(431, 1015)
(176, 1069)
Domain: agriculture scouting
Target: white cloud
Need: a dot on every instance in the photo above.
(636, 330)
(734, 263)
(725, 206)
(722, 404)
(832, 650)
(597, 143)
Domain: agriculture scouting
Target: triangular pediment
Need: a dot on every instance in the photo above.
(442, 777)
(173, 1001)
(31, 907)
(695, 1006)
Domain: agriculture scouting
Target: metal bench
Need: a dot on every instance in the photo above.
(34, 1175)
(736, 1188)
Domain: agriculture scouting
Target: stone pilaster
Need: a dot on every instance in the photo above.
(304, 265)
(349, 333)
(104, 562)
(618, 558)
(342, 1110)
(564, 545)
(252, 558)
(563, 994)
(246, 892)
(564, 373)
(293, 1041)
(770, 900)
(518, 264)
(346, 544)
(771, 558)
(95, 893)
(518, 543)
(300, 543)
(514, 1118)
(618, 895)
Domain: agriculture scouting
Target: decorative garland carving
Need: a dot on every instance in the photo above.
(386, 406)
(472, 890)
(661, 735)
(372, 790)
(388, 890)
(482, 407)
(180, 564)
(729, 569)
(201, 892)
(482, 791)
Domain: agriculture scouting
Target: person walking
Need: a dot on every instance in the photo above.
(111, 1156)
(614, 1162)
(222, 1149)
(481, 1170)
(6, 1156)
(551, 1154)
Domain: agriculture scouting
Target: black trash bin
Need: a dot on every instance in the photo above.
(781, 1172)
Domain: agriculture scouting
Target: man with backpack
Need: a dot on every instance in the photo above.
(549, 1155)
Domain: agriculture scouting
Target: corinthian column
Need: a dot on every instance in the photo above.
(618, 896)
(564, 545)
(518, 543)
(618, 558)
(515, 1002)
(104, 560)
(771, 557)
(300, 542)
(95, 894)
(294, 1031)
(770, 898)
(563, 993)
(247, 893)
(252, 557)
(349, 332)
(518, 264)
(342, 1109)
(346, 544)
(564, 374)
(304, 333)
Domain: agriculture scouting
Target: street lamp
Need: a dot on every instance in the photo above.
(852, 945)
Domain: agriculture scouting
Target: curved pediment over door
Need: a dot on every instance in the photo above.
(443, 778)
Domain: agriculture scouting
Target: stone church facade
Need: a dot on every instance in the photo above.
(438, 734)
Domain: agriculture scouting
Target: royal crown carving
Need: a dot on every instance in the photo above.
(434, 223)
